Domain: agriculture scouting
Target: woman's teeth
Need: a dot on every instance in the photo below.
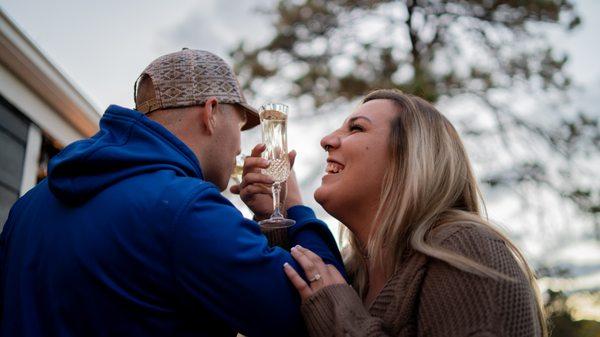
(334, 167)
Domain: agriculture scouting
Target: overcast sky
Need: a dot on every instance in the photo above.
(103, 45)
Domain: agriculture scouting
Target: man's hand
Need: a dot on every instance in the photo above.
(255, 188)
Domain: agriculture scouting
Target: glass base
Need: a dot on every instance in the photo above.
(276, 223)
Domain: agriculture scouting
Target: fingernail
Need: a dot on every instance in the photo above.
(286, 265)
(293, 248)
(298, 246)
(264, 162)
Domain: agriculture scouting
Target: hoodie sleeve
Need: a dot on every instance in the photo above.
(224, 264)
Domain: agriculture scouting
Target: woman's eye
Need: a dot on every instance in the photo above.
(356, 127)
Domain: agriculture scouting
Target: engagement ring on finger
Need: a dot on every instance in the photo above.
(315, 278)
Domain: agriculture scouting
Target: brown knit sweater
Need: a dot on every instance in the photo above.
(428, 297)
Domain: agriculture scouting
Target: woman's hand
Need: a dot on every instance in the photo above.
(319, 274)
(255, 188)
(292, 195)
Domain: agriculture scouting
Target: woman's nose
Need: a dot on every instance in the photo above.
(330, 141)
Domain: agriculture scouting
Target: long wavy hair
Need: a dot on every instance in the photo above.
(429, 183)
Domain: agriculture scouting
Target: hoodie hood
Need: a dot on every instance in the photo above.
(128, 144)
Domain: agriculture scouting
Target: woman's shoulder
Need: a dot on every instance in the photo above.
(467, 299)
(473, 240)
(464, 231)
(480, 244)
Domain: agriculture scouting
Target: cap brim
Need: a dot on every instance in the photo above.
(252, 117)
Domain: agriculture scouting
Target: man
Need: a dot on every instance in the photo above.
(129, 234)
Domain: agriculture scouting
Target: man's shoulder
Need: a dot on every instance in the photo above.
(187, 189)
(162, 193)
(184, 186)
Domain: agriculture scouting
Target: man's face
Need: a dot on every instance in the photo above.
(229, 120)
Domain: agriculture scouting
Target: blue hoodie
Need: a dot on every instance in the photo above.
(125, 238)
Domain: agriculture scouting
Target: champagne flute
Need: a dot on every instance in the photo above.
(273, 119)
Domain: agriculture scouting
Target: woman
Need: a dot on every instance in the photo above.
(422, 259)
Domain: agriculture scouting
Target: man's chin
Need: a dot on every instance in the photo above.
(221, 185)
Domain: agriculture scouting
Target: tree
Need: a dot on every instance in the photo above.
(492, 53)
(561, 320)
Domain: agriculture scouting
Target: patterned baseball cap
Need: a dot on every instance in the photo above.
(190, 77)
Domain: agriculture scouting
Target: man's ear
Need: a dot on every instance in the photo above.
(208, 115)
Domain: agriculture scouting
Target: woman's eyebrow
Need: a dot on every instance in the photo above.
(359, 117)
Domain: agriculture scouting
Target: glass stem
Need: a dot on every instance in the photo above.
(276, 202)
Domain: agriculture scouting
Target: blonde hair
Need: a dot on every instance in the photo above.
(429, 183)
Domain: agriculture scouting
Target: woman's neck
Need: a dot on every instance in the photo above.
(376, 274)
(359, 221)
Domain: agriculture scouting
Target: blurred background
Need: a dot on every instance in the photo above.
(519, 79)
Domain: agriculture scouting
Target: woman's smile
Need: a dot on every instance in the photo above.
(334, 167)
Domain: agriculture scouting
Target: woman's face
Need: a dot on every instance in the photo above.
(356, 162)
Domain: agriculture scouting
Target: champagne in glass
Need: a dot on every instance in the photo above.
(238, 169)
(273, 117)
(275, 137)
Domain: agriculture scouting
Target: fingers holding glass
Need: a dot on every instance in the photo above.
(254, 165)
